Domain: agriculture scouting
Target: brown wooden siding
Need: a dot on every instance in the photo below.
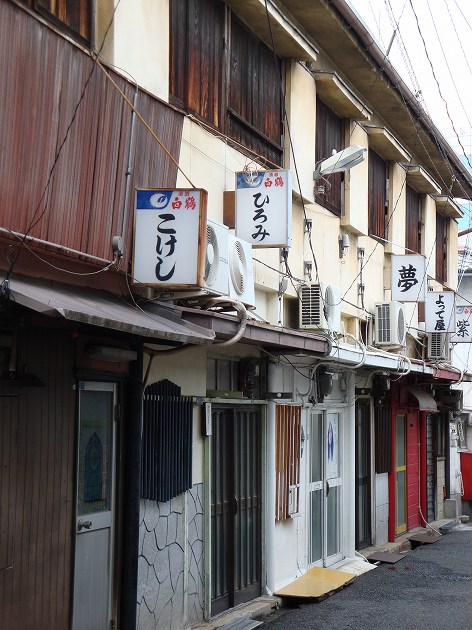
(413, 221)
(329, 138)
(44, 77)
(377, 195)
(37, 438)
(441, 248)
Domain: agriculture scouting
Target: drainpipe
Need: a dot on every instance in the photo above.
(131, 476)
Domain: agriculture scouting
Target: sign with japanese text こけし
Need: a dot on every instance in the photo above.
(264, 208)
(408, 278)
(169, 224)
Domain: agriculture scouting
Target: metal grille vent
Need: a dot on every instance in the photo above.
(311, 305)
(238, 267)
(383, 323)
(166, 448)
(212, 257)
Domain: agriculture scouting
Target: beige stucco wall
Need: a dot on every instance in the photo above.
(137, 44)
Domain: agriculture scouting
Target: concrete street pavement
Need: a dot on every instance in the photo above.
(429, 589)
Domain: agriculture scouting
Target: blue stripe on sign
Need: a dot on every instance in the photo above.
(153, 199)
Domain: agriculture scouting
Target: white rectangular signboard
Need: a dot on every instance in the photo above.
(168, 237)
(463, 332)
(408, 278)
(440, 311)
(264, 208)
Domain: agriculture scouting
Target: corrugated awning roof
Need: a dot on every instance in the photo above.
(425, 401)
(99, 308)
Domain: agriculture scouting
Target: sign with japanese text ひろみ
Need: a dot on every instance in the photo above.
(408, 278)
(440, 311)
(169, 226)
(264, 208)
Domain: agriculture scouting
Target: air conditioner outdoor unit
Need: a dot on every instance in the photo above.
(216, 258)
(320, 307)
(439, 346)
(390, 325)
(241, 271)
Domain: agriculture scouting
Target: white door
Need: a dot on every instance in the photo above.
(325, 488)
(93, 571)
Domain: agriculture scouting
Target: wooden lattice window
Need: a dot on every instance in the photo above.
(383, 439)
(75, 15)
(287, 460)
(377, 195)
(441, 248)
(329, 138)
(413, 221)
(166, 450)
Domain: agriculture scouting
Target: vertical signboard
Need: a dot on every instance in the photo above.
(264, 208)
(440, 311)
(463, 332)
(169, 237)
(408, 278)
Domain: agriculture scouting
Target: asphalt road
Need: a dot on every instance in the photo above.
(429, 589)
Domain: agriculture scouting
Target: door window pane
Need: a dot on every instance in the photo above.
(400, 441)
(401, 514)
(333, 524)
(316, 534)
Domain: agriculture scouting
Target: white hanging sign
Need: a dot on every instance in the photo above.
(463, 332)
(168, 236)
(264, 208)
(408, 278)
(440, 311)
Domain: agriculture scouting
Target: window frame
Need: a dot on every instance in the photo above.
(442, 225)
(413, 214)
(52, 14)
(330, 129)
(378, 170)
(241, 109)
(288, 427)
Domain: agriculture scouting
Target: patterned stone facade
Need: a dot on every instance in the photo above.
(170, 562)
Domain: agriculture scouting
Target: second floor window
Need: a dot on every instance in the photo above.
(329, 138)
(413, 222)
(74, 15)
(377, 195)
(441, 248)
(225, 75)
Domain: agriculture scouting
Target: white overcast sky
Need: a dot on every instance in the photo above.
(446, 26)
(438, 69)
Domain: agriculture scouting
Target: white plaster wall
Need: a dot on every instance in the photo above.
(381, 509)
(396, 210)
(355, 187)
(429, 234)
(138, 42)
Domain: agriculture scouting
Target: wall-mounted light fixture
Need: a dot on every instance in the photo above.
(339, 162)
(343, 245)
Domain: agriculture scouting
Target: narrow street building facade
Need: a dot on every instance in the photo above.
(175, 445)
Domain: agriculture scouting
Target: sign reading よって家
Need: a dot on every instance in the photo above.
(440, 311)
(169, 225)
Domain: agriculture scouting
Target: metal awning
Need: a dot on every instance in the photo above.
(425, 401)
(99, 308)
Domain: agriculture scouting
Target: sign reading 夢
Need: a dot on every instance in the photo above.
(264, 208)
(463, 332)
(440, 311)
(169, 225)
(408, 278)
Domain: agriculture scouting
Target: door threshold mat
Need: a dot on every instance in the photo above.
(385, 556)
(241, 624)
(423, 539)
(317, 584)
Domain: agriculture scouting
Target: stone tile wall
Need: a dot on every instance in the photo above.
(170, 562)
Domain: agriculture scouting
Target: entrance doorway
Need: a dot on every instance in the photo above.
(235, 506)
(95, 507)
(325, 488)
(363, 475)
(400, 475)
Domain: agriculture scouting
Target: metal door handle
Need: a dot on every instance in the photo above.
(236, 505)
(327, 488)
(84, 525)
